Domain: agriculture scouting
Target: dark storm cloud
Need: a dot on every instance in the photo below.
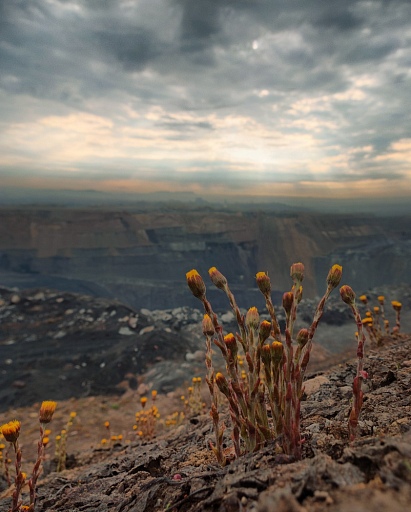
(200, 20)
(134, 47)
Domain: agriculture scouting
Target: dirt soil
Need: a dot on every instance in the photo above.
(176, 470)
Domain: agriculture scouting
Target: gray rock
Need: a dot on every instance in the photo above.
(15, 299)
(198, 355)
(147, 329)
(125, 331)
(228, 317)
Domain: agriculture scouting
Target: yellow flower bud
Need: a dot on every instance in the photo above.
(266, 354)
(347, 294)
(297, 272)
(277, 351)
(222, 383)
(231, 343)
(265, 330)
(288, 299)
(252, 318)
(217, 278)
(302, 337)
(334, 276)
(263, 282)
(208, 327)
(196, 284)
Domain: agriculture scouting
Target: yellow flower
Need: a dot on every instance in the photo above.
(143, 401)
(107, 424)
(73, 414)
(396, 305)
(46, 411)
(367, 320)
(11, 431)
(381, 299)
(363, 299)
(46, 440)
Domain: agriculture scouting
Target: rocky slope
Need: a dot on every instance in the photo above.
(177, 471)
(141, 257)
(61, 345)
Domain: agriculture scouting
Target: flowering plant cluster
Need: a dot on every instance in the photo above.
(11, 433)
(375, 322)
(146, 419)
(275, 365)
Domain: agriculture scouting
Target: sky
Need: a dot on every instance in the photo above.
(257, 97)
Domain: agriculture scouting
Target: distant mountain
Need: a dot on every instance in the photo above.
(14, 196)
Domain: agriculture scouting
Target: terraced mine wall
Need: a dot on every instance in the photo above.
(141, 257)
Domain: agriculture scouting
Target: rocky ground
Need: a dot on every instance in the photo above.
(177, 471)
(59, 345)
(97, 358)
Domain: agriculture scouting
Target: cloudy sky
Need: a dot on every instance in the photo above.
(280, 97)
